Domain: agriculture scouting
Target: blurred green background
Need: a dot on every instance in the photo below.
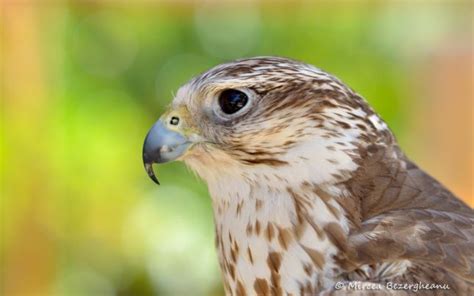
(82, 82)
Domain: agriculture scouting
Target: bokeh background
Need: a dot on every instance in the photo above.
(82, 81)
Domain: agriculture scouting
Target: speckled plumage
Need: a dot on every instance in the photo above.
(309, 188)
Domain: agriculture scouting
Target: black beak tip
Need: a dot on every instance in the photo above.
(151, 173)
(153, 177)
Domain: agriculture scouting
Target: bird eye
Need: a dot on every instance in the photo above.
(232, 100)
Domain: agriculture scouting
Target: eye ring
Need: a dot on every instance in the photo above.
(232, 100)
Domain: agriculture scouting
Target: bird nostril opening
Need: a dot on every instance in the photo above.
(174, 120)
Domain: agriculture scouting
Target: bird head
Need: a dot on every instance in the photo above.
(265, 117)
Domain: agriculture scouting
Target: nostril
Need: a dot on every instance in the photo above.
(174, 120)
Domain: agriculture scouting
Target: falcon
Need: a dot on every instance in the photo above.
(311, 193)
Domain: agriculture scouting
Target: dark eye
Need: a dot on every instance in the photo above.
(232, 100)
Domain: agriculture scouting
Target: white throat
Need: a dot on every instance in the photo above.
(276, 234)
(272, 223)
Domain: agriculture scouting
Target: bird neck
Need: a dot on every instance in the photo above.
(274, 239)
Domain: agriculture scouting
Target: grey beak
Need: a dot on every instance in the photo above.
(162, 145)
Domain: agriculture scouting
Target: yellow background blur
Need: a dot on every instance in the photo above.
(82, 81)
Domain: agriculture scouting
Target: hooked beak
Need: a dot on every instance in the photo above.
(162, 145)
